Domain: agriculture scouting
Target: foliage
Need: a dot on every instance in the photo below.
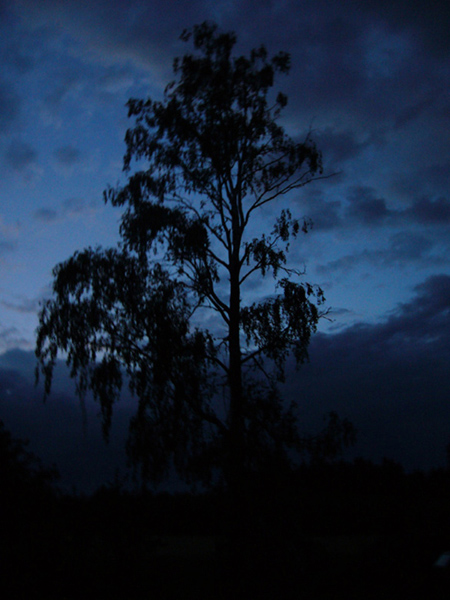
(202, 165)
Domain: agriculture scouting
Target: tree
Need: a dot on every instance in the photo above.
(201, 165)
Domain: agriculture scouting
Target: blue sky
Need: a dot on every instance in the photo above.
(371, 79)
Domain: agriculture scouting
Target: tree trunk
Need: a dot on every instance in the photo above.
(236, 454)
(236, 450)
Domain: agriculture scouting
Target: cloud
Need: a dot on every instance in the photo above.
(353, 66)
(338, 146)
(23, 305)
(366, 207)
(325, 214)
(66, 81)
(412, 112)
(7, 246)
(20, 156)
(10, 337)
(406, 246)
(390, 379)
(430, 22)
(426, 318)
(47, 215)
(419, 327)
(67, 155)
(16, 51)
(8, 237)
(333, 45)
(403, 247)
(438, 175)
(10, 105)
(426, 179)
(68, 209)
(73, 207)
(116, 31)
(429, 212)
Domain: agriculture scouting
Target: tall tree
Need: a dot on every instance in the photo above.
(202, 165)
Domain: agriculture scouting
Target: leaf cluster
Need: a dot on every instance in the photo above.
(115, 317)
(284, 324)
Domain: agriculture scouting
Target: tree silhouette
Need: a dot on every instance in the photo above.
(202, 165)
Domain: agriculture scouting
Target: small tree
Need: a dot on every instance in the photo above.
(201, 165)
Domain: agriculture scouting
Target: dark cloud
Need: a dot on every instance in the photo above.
(137, 22)
(67, 155)
(142, 32)
(23, 305)
(333, 49)
(47, 215)
(15, 57)
(402, 248)
(426, 318)
(427, 179)
(438, 175)
(351, 65)
(114, 79)
(406, 246)
(69, 208)
(426, 211)
(76, 206)
(412, 112)
(325, 214)
(366, 207)
(66, 81)
(9, 107)
(418, 327)
(10, 337)
(428, 21)
(63, 431)
(390, 379)
(20, 155)
(338, 147)
(6, 333)
(345, 263)
(7, 246)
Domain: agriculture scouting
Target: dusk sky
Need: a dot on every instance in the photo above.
(370, 79)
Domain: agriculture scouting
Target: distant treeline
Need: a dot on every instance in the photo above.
(322, 497)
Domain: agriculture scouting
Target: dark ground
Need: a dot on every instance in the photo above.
(341, 531)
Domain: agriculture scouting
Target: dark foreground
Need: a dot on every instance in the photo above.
(75, 555)
(386, 568)
(343, 531)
